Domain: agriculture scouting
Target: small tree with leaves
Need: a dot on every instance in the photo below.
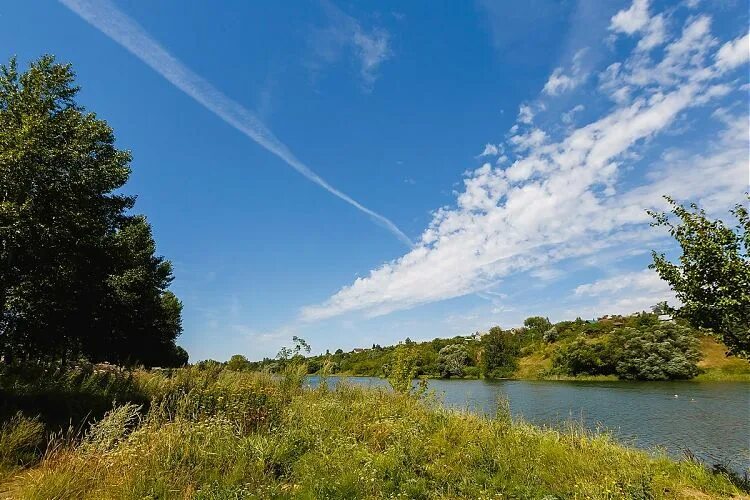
(712, 278)
(403, 368)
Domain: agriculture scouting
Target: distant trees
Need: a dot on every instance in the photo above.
(584, 357)
(452, 359)
(713, 277)
(537, 326)
(78, 273)
(661, 351)
(238, 363)
(500, 351)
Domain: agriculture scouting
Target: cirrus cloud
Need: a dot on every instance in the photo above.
(567, 196)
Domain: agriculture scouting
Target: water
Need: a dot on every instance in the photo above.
(711, 419)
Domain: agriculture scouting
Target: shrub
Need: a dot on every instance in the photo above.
(452, 360)
(403, 368)
(664, 352)
(583, 357)
(550, 335)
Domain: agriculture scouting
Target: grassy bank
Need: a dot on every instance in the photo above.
(222, 434)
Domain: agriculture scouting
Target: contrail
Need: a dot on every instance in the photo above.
(108, 19)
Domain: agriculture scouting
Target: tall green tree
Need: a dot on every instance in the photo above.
(712, 278)
(78, 272)
(537, 325)
(500, 351)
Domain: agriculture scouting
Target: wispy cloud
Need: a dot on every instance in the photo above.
(624, 293)
(564, 196)
(108, 19)
(560, 81)
(344, 33)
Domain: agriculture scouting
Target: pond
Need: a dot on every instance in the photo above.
(711, 419)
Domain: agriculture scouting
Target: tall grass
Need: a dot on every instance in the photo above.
(218, 434)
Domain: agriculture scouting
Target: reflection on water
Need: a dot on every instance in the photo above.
(711, 419)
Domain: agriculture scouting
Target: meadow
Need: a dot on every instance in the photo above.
(212, 433)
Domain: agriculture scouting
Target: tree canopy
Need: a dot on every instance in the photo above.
(78, 272)
(712, 279)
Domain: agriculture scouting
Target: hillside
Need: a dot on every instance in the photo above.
(579, 349)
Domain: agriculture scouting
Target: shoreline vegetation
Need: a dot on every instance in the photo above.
(212, 433)
(636, 347)
(715, 366)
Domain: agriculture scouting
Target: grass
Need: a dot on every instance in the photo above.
(717, 366)
(218, 434)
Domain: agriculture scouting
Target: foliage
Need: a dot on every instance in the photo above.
(500, 352)
(664, 352)
(403, 368)
(584, 357)
(648, 352)
(550, 335)
(452, 360)
(226, 434)
(238, 363)
(712, 279)
(78, 273)
(20, 438)
(537, 325)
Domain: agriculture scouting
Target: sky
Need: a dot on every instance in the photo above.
(361, 172)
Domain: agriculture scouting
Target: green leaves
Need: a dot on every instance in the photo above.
(661, 351)
(78, 274)
(712, 278)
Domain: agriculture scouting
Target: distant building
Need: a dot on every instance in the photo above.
(666, 317)
(359, 349)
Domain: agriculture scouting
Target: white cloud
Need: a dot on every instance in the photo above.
(637, 19)
(370, 47)
(559, 82)
(631, 20)
(567, 117)
(646, 280)
(532, 139)
(734, 53)
(105, 17)
(564, 199)
(625, 293)
(490, 150)
(525, 114)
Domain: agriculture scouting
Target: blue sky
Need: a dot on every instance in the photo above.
(357, 173)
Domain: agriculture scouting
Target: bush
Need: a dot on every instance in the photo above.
(664, 352)
(452, 360)
(550, 335)
(583, 357)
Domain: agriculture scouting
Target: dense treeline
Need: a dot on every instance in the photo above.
(79, 276)
(636, 347)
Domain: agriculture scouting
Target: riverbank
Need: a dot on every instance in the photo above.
(223, 434)
(536, 364)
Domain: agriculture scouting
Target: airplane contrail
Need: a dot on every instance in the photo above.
(108, 19)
